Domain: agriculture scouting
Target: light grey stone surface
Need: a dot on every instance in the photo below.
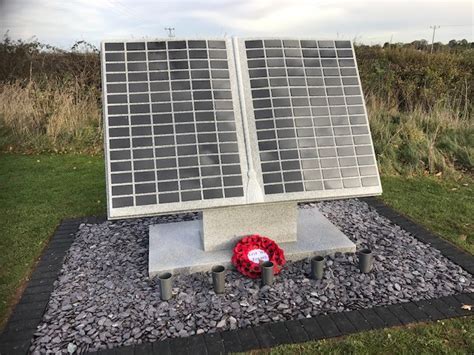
(177, 248)
(317, 236)
(104, 297)
(223, 227)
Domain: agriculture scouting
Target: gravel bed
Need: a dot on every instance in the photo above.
(104, 298)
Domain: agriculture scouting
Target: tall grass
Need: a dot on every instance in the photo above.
(418, 141)
(420, 104)
(47, 117)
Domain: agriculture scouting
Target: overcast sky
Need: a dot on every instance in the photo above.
(62, 22)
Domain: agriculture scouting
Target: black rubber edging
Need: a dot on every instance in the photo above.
(455, 254)
(302, 330)
(27, 315)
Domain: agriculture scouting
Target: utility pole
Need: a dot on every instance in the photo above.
(170, 31)
(434, 27)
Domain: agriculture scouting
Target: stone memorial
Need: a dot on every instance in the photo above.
(240, 129)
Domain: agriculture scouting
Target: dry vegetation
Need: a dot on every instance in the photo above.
(47, 117)
(49, 99)
(420, 104)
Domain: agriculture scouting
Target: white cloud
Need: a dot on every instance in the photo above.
(63, 22)
(279, 17)
(373, 20)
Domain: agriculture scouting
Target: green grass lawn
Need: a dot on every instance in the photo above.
(444, 207)
(36, 192)
(455, 336)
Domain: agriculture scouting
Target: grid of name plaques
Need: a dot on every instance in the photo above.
(171, 124)
(312, 129)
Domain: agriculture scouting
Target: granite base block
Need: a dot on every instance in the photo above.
(178, 247)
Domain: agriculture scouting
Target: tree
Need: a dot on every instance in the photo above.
(421, 44)
(437, 46)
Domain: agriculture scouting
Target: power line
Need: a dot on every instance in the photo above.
(434, 27)
(170, 31)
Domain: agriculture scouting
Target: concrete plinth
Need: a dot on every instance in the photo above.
(178, 247)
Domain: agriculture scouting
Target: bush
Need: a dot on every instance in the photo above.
(407, 79)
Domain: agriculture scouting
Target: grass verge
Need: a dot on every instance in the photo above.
(36, 192)
(445, 207)
(455, 336)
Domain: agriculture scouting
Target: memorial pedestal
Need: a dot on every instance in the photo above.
(194, 246)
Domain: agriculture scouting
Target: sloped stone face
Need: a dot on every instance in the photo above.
(222, 228)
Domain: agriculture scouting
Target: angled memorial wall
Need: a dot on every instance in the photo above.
(183, 116)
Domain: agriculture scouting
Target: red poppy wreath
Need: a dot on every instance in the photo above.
(253, 250)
